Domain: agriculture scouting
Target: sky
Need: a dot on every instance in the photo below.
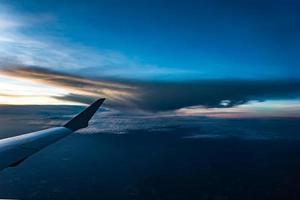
(193, 58)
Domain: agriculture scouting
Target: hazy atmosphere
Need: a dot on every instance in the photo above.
(202, 98)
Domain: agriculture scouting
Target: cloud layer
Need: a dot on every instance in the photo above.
(160, 96)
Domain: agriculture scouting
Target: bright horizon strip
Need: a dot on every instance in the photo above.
(25, 92)
(253, 109)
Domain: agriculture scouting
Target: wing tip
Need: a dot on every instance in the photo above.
(82, 119)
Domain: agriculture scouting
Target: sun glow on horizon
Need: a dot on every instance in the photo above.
(270, 108)
(15, 91)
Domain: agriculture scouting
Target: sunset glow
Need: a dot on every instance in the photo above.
(25, 92)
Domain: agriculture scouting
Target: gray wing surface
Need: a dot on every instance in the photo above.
(16, 149)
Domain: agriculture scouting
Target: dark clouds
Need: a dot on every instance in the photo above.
(162, 96)
(169, 96)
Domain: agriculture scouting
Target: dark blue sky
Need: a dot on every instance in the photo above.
(191, 39)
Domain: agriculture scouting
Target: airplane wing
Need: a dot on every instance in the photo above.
(15, 150)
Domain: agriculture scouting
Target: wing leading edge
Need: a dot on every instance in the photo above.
(15, 150)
